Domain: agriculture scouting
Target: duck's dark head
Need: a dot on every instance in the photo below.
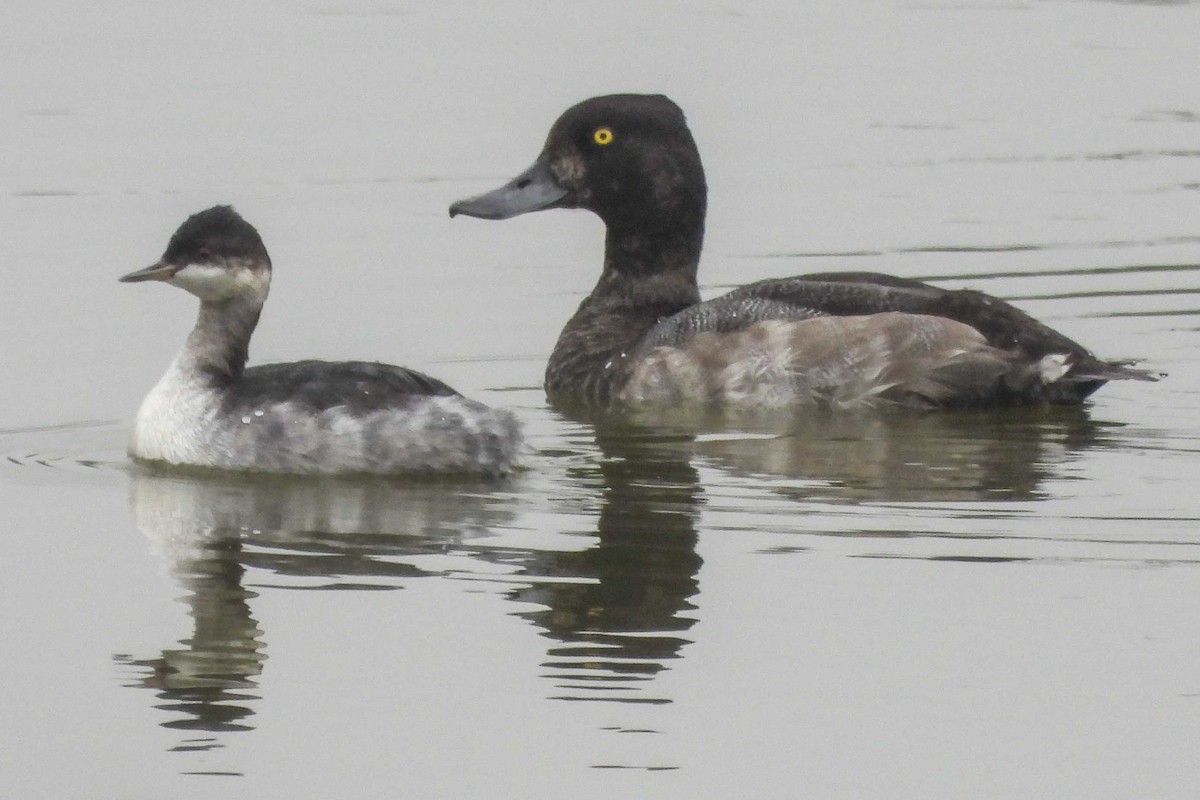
(215, 255)
(629, 158)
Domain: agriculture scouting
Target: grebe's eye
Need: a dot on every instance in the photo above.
(602, 136)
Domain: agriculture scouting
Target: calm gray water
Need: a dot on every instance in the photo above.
(999, 605)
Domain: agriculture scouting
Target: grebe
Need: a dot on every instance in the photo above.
(209, 410)
(837, 340)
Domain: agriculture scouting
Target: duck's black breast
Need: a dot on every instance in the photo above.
(359, 387)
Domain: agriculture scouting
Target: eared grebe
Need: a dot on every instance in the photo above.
(833, 339)
(304, 417)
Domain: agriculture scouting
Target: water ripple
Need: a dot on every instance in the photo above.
(1019, 247)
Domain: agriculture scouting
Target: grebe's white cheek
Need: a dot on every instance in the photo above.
(213, 283)
(206, 281)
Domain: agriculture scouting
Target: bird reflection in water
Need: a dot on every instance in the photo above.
(617, 611)
(311, 533)
(626, 622)
(890, 457)
(209, 684)
(622, 623)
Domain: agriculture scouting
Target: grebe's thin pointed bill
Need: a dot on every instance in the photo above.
(154, 272)
(533, 190)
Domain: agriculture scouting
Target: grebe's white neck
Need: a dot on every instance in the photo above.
(173, 421)
(231, 299)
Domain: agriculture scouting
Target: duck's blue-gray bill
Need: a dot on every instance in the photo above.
(532, 190)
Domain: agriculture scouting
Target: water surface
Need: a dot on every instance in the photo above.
(958, 605)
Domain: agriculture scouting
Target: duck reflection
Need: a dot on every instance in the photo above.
(311, 533)
(619, 617)
(617, 630)
(966, 456)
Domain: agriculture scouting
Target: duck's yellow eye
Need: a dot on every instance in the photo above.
(602, 136)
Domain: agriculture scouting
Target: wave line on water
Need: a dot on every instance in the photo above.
(1022, 247)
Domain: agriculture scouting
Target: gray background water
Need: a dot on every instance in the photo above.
(966, 605)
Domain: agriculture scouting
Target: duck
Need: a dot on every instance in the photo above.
(830, 340)
(210, 410)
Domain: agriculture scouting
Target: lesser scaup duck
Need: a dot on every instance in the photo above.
(208, 410)
(831, 339)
